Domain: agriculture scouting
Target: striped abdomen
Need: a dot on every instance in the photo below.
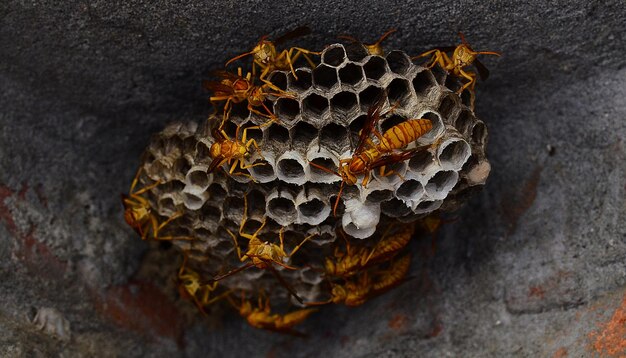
(403, 134)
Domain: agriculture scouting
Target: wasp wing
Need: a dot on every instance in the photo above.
(293, 34)
(372, 119)
(483, 72)
(216, 86)
(285, 283)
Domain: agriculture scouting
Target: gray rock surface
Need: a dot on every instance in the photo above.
(535, 265)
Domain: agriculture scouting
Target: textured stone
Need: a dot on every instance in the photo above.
(85, 85)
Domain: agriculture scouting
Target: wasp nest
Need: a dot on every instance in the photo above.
(320, 125)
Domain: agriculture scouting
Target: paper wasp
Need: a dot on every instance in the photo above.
(263, 255)
(369, 155)
(261, 316)
(376, 48)
(355, 292)
(355, 260)
(191, 286)
(462, 56)
(233, 150)
(138, 213)
(268, 59)
(234, 88)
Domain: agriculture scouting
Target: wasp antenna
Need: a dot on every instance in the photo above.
(348, 37)
(462, 38)
(337, 200)
(385, 35)
(238, 57)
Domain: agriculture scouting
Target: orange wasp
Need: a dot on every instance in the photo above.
(369, 155)
(233, 150)
(191, 286)
(234, 88)
(138, 213)
(462, 57)
(263, 255)
(376, 48)
(352, 261)
(268, 59)
(355, 293)
(261, 316)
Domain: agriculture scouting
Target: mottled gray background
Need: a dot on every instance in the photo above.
(535, 266)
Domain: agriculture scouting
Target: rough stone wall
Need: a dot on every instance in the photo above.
(533, 267)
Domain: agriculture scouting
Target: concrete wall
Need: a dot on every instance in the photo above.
(533, 267)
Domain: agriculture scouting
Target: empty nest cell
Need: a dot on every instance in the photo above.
(375, 68)
(303, 82)
(325, 78)
(399, 62)
(334, 55)
(423, 82)
(351, 75)
(314, 106)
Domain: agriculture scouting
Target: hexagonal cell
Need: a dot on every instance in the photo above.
(313, 211)
(277, 133)
(334, 136)
(421, 161)
(439, 74)
(356, 52)
(399, 62)
(325, 78)
(239, 112)
(251, 225)
(322, 158)
(441, 183)
(303, 133)
(447, 107)
(399, 92)
(453, 83)
(279, 79)
(198, 177)
(479, 173)
(375, 68)
(167, 205)
(194, 201)
(287, 109)
(314, 106)
(466, 98)
(453, 153)
(395, 208)
(464, 122)
(262, 173)
(290, 168)
(304, 81)
(253, 131)
(377, 196)
(410, 190)
(351, 75)
(334, 55)
(479, 133)
(217, 192)
(369, 96)
(210, 213)
(343, 104)
(427, 206)
(256, 203)
(392, 173)
(423, 82)
(233, 208)
(281, 209)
